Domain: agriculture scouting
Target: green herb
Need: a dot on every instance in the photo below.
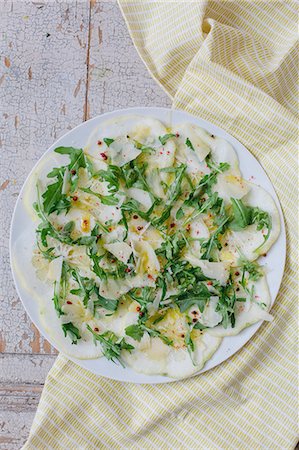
(96, 268)
(108, 141)
(136, 331)
(199, 326)
(213, 242)
(159, 319)
(205, 185)
(207, 204)
(263, 220)
(111, 345)
(86, 286)
(105, 199)
(226, 304)
(70, 330)
(254, 270)
(173, 193)
(144, 148)
(56, 299)
(47, 254)
(179, 214)
(172, 246)
(106, 303)
(189, 144)
(190, 345)
(199, 296)
(77, 160)
(246, 215)
(53, 199)
(164, 139)
(133, 207)
(242, 214)
(111, 176)
(161, 283)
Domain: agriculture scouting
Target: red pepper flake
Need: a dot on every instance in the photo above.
(104, 156)
(212, 136)
(139, 228)
(140, 314)
(113, 260)
(237, 273)
(128, 137)
(117, 207)
(194, 320)
(73, 172)
(237, 289)
(172, 225)
(168, 152)
(182, 335)
(210, 283)
(69, 303)
(226, 244)
(177, 134)
(96, 329)
(161, 153)
(135, 216)
(138, 308)
(98, 236)
(110, 229)
(264, 255)
(75, 198)
(150, 277)
(100, 142)
(194, 313)
(188, 228)
(127, 269)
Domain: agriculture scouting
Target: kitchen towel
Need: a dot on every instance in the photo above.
(234, 63)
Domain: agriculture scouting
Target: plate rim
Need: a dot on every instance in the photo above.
(151, 379)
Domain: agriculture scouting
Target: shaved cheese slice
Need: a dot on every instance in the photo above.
(150, 360)
(157, 358)
(85, 348)
(154, 181)
(115, 288)
(120, 250)
(198, 138)
(122, 151)
(141, 196)
(65, 184)
(54, 271)
(198, 230)
(249, 241)
(257, 196)
(153, 236)
(147, 261)
(246, 316)
(223, 151)
(216, 270)
(229, 185)
(41, 265)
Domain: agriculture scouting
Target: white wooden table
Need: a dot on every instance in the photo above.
(60, 63)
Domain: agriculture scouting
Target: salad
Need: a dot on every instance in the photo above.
(149, 239)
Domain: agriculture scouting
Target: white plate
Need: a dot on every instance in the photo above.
(22, 239)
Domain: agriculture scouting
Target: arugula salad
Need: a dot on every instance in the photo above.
(149, 238)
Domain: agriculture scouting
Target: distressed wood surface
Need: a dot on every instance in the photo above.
(60, 63)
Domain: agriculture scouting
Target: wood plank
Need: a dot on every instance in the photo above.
(43, 78)
(24, 368)
(22, 378)
(117, 76)
(15, 427)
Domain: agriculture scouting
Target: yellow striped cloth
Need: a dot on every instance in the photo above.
(234, 63)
